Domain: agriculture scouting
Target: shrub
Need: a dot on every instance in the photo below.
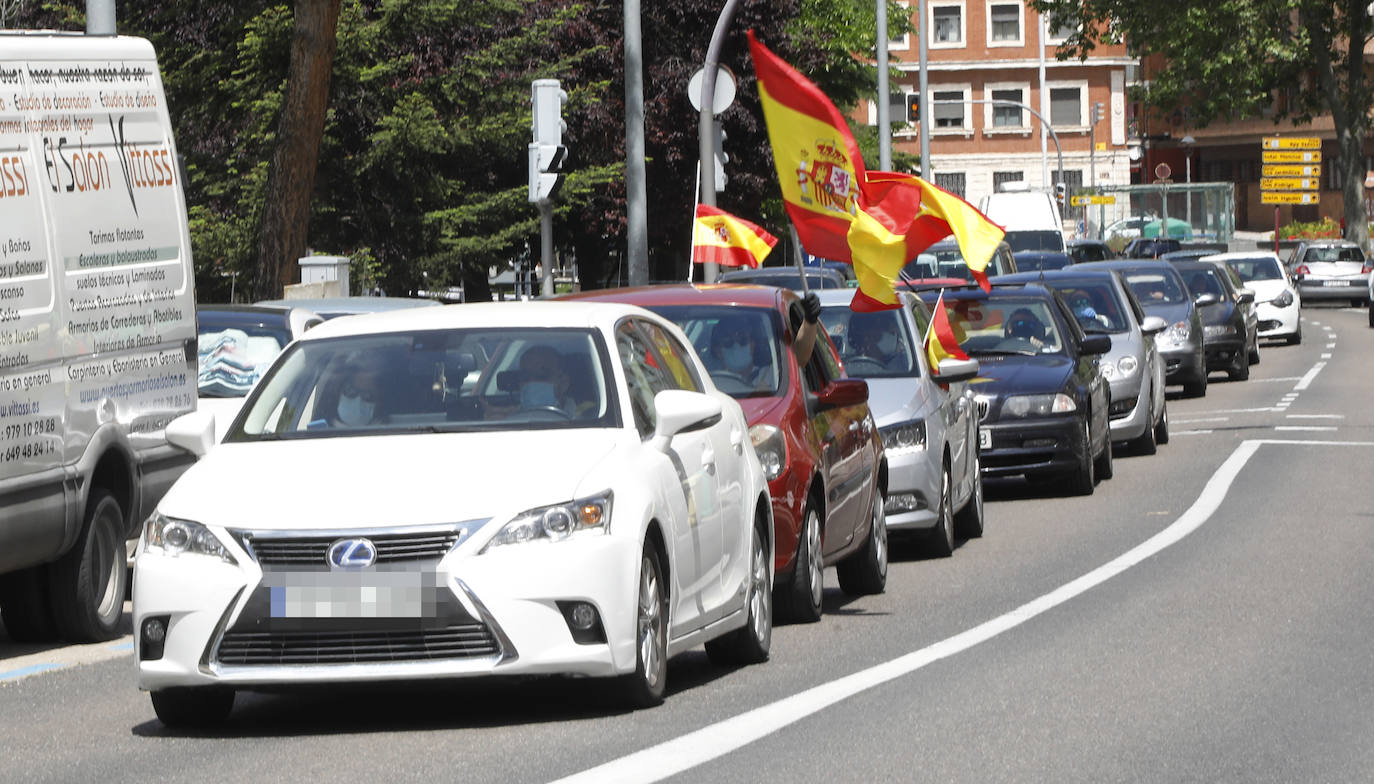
(1322, 229)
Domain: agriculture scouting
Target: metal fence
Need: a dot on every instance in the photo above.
(1198, 211)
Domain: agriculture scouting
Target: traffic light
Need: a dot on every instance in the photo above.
(913, 108)
(718, 153)
(547, 152)
(1097, 113)
(1060, 195)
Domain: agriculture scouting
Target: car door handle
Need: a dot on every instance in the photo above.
(737, 441)
(708, 460)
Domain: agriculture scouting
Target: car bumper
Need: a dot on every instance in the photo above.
(1130, 410)
(1032, 446)
(1317, 289)
(1222, 351)
(1277, 322)
(1183, 363)
(913, 490)
(495, 614)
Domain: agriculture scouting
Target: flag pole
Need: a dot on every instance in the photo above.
(692, 238)
(797, 257)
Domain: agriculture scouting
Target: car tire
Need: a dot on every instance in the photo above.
(1146, 443)
(1371, 319)
(193, 707)
(24, 603)
(865, 572)
(1162, 427)
(1255, 353)
(941, 541)
(89, 582)
(968, 522)
(1084, 479)
(1240, 368)
(799, 601)
(1359, 303)
(1103, 468)
(1296, 338)
(1197, 387)
(750, 643)
(644, 687)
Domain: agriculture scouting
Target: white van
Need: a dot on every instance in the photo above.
(97, 323)
(1031, 219)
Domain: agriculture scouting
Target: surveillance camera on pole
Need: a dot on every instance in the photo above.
(547, 152)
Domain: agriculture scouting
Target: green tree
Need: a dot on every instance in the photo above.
(1227, 59)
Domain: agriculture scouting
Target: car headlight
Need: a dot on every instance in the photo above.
(905, 437)
(771, 448)
(1283, 300)
(173, 537)
(1038, 405)
(1175, 334)
(1218, 331)
(1127, 366)
(556, 522)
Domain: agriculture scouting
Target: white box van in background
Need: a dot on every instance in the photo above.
(1031, 218)
(97, 324)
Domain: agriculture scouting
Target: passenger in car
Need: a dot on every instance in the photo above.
(360, 395)
(877, 337)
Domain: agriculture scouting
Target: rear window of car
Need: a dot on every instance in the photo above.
(1262, 268)
(1155, 288)
(1333, 254)
(233, 352)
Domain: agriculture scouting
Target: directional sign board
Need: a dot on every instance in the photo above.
(1079, 201)
(1288, 198)
(1289, 184)
(1280, 170)
(1291, 156)
(1291, 143)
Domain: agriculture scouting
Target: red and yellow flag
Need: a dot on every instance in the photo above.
(721, 238)
(876, 221)
(941, 341)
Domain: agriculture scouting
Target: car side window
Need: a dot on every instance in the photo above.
(677, 357)
(644, 375)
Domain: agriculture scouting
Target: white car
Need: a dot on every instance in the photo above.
(371, 517)
(1278, 304)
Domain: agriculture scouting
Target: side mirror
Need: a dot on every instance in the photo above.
(194, 432)
(1245, 295)
(1152, 325)
(1097, 344)
(955, 370)
(845, 392)
(1205, 299)
(681, 411)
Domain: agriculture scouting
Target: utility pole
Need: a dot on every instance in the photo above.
(706, 120)
(636, 199)
(100, 17)
(884, 99)
(923, 85)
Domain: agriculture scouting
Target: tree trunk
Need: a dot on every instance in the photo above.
(1350, 160)
(291, 179)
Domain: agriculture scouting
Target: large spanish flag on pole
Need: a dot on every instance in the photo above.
(721, 238)
(876, 221)
(940, 340)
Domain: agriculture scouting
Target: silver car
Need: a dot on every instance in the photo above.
(928, 422)
(1328, 270)
(1103, 304)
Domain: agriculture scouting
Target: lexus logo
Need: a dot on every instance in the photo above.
(352, 554)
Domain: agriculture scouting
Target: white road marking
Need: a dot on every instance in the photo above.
(1195, 421)
(1279, 378)
(1305, 428)
(1236, 411)
(1330, 345)
(1308, 377)
(1326, 355)
(716, 740)
(1316, 416)
(1189, 432)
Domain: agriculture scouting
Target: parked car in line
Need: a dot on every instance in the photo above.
(926, 416)
(1149, 247)
(1188, 254)
(1033, 260)
(236, 344)
(1103, 304)
(811, 424)
(1229, 324)
(945, 260)
(1044, 406)
(1161, 292)
(333, 307)
(1278, 304)
(600, 512)
(817, 278)
(1327, 270)
(1090, 250)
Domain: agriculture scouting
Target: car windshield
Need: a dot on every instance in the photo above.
(1204, 281)
(872, 345)
(1261, 268)
(1031, 262)
(233, 353)
(949, 263)
(1096, 306)
(1034, 240)
(1004, 325)
(434, 381)
(1156, 288)
(740, 346)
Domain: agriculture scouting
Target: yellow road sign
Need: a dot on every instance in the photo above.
(1289, 184)
(1291, 143)
(1288, 198)
(1291, 171)
(1079, 201)
(1291, 156)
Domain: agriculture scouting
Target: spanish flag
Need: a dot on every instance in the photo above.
(876, 221)
(721, 238)
(940, 340)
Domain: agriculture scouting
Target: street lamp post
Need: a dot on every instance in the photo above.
(1187, 142)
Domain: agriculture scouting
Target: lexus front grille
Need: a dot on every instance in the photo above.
(296, 550)
(463, 640)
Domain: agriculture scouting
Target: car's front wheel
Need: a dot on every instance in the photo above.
(941, 541)
(645, 686)
(1162, 427)
(1084, 478)
(193, 707)
(1240, 367)
(968, 522)
(750, 644)
(865, 572)
(800, 599)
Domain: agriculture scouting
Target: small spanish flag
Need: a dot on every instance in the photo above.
(940, 340)
(721, 238)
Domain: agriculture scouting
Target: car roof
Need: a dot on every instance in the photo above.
(533, 313)
(846, 296)
(689, 294)
(1242, 255)
(769, 272)
(350, 305)
(1071, 273)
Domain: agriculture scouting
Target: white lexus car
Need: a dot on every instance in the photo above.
(488, 489)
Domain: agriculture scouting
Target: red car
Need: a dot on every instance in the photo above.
(810, 425)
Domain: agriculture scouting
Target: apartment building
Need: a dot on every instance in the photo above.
(980, 51)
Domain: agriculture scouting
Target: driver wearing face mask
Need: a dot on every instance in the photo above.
(877, 337)
(360, 397)
(733, 349)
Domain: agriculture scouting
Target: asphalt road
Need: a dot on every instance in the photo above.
(1204, 616)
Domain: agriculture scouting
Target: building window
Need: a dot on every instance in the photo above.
(1004, 23)
(903, 42)
(948, 115)
(948, 24)
(1000, 177)
(1003, 115)
(1061, 30)
(1066, 106)
(952, 182)
(1073, 181)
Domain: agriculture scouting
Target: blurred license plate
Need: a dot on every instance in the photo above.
(357, 595)
(1335, 283)
(984, 438)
